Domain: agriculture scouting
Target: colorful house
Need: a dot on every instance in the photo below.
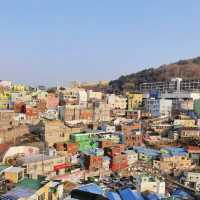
(134, 100)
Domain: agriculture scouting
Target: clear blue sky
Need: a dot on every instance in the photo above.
(50, 41)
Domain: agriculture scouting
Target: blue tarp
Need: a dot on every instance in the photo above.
(92, 188)
(113, 196)
(128, 194)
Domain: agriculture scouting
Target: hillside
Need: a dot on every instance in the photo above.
(186, 69)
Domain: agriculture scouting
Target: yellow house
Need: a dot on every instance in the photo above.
(52, 190)
(4, 100)
(134, 100)
(14, 174)
(18, 88)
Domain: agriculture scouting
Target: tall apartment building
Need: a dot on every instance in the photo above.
(158, 107)
(170, 86)
(173, 85)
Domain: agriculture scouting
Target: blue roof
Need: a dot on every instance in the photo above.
(174, 151)
(152, 196)
(179, 193)
(130, 151)
(93, 151)
(113, 196)
(147, 151)
(128, 194)
(174, 154)
(19, 192)
(92, 188)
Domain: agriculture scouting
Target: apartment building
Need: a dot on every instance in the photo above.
(165, 107)
(132, 157)
(150, 183)
(173, 85)
(18, 88)
(82, 98)
(134, 100)
(94, 95)
(101, 111)
(10, 135)
(172, 163)
(158, 107)
(52, 101)
(191, 179)
(187, 104)
(5, 101)
(194, 154)
(189, 132)
(44, 165)
(95, 111)
(56, 131)
(76, 113)
(152, 106)
(116, 102)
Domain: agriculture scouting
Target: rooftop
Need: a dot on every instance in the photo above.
(91, 187)
(147, 151)
(193, 149)
(25, 189)
(14, 169)
(17, 193)
(33, 184)
(36, 158)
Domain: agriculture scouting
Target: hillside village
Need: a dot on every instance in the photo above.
(78, 143)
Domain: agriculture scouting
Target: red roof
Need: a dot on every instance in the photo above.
(193, 149)
(61, 166)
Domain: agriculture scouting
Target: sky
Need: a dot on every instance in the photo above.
(52, 42)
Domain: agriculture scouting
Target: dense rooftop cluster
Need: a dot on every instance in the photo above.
(82, 142)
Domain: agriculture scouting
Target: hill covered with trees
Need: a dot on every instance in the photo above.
(186, 69)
